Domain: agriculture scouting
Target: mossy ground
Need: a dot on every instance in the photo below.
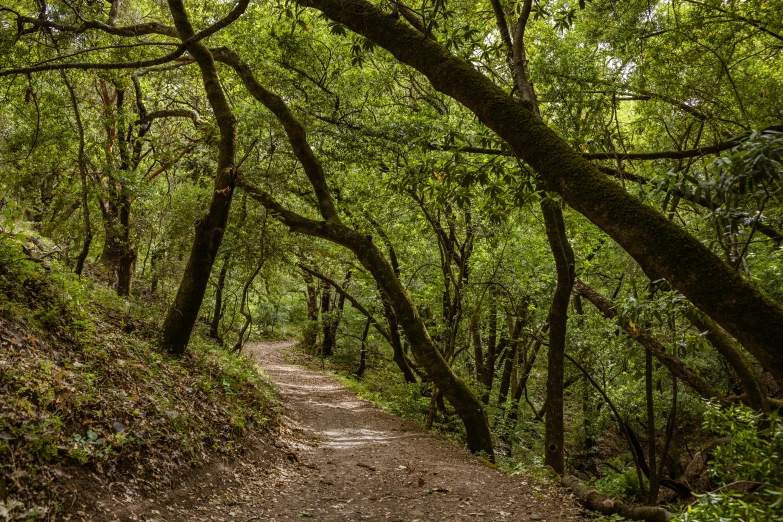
(84, 389)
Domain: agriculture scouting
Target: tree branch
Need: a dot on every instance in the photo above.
(355, 303)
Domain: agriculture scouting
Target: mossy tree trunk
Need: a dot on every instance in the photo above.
(182, 313)
(558, 320)
(658, 245)
(331, 228)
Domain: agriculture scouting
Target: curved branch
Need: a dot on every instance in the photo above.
(170, 113)
(235, 13)
(130, 30)
(667, 154)
(293, 129)
(675, 365)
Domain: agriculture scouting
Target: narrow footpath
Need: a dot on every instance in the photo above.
(343, 459)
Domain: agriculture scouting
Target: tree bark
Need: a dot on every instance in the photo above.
(363, 354)
(488, 366)
(311, 330)
(214, 327)
(337, 313)
(244, 308)
(652, 499)
(659, 246)
(558, 321)
(82, 161)
(594, 501)
(513, 410)
(426, 353)
(398, 355)
(210, 228)
(118, 256)
(749, 379)
(505, 378)
(327, 342)
(478, 350)
(645, 338)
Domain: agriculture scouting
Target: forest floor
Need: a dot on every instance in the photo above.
(339, 458)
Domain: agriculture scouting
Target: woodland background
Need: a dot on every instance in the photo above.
(565, 219)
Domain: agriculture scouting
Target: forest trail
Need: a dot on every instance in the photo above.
(343, 459)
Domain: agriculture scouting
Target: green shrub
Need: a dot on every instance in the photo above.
(749, 468)
(622, 484)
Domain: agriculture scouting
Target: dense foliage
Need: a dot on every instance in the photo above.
(551, 229)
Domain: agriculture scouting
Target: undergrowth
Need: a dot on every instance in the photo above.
(85, 389)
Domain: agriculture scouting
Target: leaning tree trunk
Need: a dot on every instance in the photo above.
(644, 337)
(595, 501)
(331, 228)
(748, 377)
(210, 228)
(398, 355)
(558, 319)
(658, 245)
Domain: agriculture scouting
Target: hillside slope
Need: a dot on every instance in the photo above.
(86, 394)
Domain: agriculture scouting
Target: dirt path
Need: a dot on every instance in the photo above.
(343, 459)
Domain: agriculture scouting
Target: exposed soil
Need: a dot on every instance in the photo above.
(339, 458)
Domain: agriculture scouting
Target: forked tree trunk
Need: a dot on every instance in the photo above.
(210, 228)
(244, 308)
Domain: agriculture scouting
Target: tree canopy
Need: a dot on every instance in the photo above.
(565, 219)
